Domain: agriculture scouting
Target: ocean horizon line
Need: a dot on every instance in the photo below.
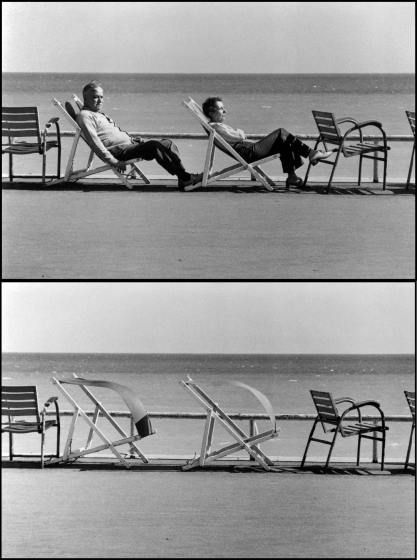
(220, 353)
(217, 73)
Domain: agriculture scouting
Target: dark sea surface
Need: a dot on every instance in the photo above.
(285, 379)
(257, 103)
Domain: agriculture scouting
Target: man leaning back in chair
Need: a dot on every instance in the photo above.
(115, 146)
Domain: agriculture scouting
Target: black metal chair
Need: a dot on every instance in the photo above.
(336, 423)
(411, 116)
(330, 135)
(22, 401)
(411, 399)
(21, 127)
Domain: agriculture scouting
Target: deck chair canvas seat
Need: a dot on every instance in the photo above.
(330, 135)
(411, 399)
(411, 116)
(215, 140)
(70, 111)
(243, 441)
(334, 422)
(20, 405)
(21, 129)
(139, 417)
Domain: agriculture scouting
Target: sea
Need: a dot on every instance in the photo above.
(285, 379)
(256, 103)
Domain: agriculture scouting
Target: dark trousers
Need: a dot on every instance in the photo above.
(282, 142)
(164, 151)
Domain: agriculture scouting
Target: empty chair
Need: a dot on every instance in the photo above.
(411, 116)
(20, 125)
(19, 404)
(70, 112)
(330, 135)
(411, 399)
(243, 441)
(216, 141)
(138, 413)
(336, 423)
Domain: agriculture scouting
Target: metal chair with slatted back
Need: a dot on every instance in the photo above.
(411, 116)
(411, 399)
(336, 423)
(20, 123)
(330, 133)
(19, 402)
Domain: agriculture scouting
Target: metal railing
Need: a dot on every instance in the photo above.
(252, 418)
(313, 137)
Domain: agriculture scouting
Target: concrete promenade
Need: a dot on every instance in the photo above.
(87, 231)
(77, 512)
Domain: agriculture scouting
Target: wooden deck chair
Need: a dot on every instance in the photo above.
(411, 116)
(329, 133)
(20, 125)
(20, 405)
(411, 399)
(70, 112)
(139, 416)
(216, 141)
(334, 422)
(249, 443)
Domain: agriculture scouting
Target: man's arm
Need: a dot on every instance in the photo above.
(88, 126)
(230, 134)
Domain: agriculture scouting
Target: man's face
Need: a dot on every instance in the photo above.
(218, 112)
(93, 99)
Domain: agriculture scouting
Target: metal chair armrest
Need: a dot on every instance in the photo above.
(344, 399)
(51, 400)
(346, 119)
(53, 120)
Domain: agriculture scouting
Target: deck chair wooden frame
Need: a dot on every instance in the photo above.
(411, 399)
(70, 111)
(259, 176)
(20, 125)
(329, 133)
(249, 443)
(20, 402)
(411, 116)
(70, 454)
(334, 422)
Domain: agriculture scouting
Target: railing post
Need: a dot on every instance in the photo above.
(376, 178)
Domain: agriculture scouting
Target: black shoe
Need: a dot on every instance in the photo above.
(192, 180)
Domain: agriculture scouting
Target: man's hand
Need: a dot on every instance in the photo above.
(120, 166)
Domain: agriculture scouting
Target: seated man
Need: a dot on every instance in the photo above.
(280, 142)
(114, 146)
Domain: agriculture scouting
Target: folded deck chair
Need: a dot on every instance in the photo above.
(138, 413)
(70, 112)
(411, 399)
(216, 141)
(249, 443)
(411, 116)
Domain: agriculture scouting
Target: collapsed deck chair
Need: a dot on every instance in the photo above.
(20, 405)
(216, 141)
(411, 399)
(330, 133)
(334, 422)
(20, 125)
(411, 116)
(243, 441)
(138, 413)
(70, 112)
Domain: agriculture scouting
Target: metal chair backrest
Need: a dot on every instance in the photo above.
(20, 122)
(327, 126)
(326, 410)
(412, 120)
(19, 401)
(411, 399)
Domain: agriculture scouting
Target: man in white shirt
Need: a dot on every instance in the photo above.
(280, 141)
(115, 146)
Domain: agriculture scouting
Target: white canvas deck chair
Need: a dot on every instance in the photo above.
(70, 112)
(216, 141)
(249, 443)
(140, 419)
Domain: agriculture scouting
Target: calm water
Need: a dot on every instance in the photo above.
(258, 103)
(285, 379)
